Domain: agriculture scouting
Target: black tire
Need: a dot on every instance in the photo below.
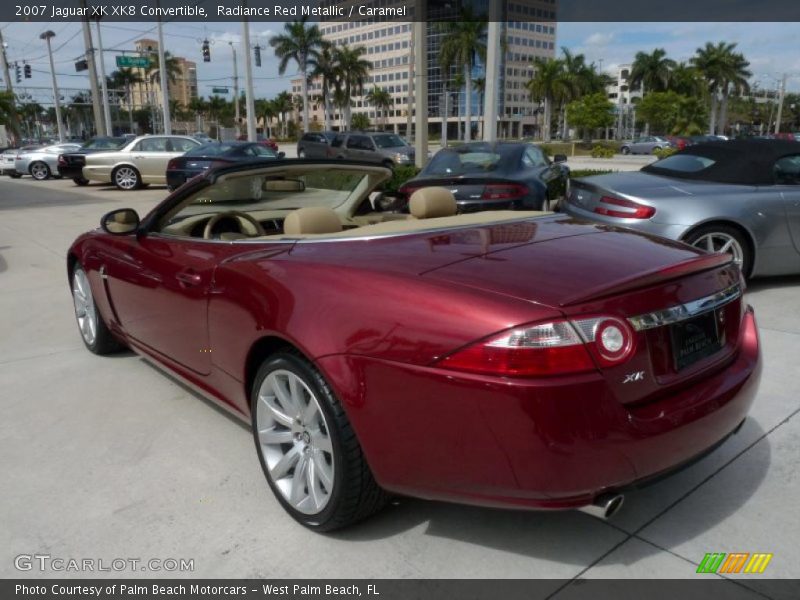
(133, 182)
(14, 175)
(80, 181)
(725, 230)
(104, 341)
(41, 170)
(355, 494)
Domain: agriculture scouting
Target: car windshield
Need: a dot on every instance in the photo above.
(467, 160)
(389, 141)
(214, 149)
(684, 163)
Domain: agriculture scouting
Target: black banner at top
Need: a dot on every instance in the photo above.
(402, 10)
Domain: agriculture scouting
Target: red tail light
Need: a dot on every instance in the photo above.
(172, 164)
(61, 161)
(628, 209)
(503, 191)
(407, 190)
(545, 349)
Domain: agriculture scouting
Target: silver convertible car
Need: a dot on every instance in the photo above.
(740, 197)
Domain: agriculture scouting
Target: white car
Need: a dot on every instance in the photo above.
(41, 163)
(140, 162)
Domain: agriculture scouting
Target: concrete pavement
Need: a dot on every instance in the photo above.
(108, 458)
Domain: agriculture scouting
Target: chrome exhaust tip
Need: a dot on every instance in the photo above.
(605, 506)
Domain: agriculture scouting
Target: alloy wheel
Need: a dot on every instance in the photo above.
(85, 311)
(40, 171)
(721, 242)
(295, 441)
(126, 178)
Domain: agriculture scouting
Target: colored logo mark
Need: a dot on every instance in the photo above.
(735, 562)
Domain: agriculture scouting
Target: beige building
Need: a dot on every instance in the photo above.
(183, 89)
(390, 50)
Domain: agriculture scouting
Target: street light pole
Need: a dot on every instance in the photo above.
(248, 84)
(781, 96)
(47, 36)
(162, 71)
(421, 86)
(103, 82)
(87, 41)
(493, 50)
(235, 91)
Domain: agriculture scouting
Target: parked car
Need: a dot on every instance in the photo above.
(383, 148)
(41, 163)
(203, 138)
(494, 176)
(263, 140)
(679, 142)
(358, 352)
(70, 164)
(9, 157)
(216, 154)
(645, 145)
(741, 197)
(315, 144)
(140, 162)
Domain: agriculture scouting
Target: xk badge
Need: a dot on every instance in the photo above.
(635, 376)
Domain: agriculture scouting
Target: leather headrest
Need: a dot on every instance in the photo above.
(432, 202)
(312, 219)
(284, 185)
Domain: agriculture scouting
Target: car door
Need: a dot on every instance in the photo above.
(361, 147)
(536, 166)
(787, 180)
(150, 157)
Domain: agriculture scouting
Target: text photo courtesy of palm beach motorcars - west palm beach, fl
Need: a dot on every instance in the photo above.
(504, 292)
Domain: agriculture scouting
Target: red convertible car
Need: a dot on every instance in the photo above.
(510, 359)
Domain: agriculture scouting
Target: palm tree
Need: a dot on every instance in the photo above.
(686, 80)
(325, 68)
(173, 68)
(725, 71)
(341, 101)
(548, 86)
(199, 106)
(652, 71)
(381, 99)
(463, 43)
(302, 44)
(353, 70)
(479, 85)
(217, 105)
(284, 105)
(458, 83)
(126, 78)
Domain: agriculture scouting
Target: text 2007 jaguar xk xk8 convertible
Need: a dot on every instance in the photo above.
(511, 359)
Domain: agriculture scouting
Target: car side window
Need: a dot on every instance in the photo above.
(338, 141)
(787, 170)
(359, 142)
(181, 145)
(151, 145)
(533, 157)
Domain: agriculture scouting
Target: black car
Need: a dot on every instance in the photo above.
(495, 176)
(200, 159)
(70, 165)
(314, 144)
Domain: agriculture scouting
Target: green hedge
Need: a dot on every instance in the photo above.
(401, 174)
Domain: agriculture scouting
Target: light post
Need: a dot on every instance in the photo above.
(235, 90)
(103, 82)
(421, 86)
(162, 71)
(47, 36)
(248, 84)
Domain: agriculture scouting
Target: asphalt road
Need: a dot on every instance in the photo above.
(108, 458)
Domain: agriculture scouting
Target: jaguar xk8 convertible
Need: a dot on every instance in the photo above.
(502, 358)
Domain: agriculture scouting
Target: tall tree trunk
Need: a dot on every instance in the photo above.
(347, 113)
(304, 90)
(723, 112)
(326, 101)
(130, 106)
(713, 120)
(468, 101)
(547, 117)
(565, 131)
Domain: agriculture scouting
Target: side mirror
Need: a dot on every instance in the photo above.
(120, 222)
(281, 154)
(560, 158)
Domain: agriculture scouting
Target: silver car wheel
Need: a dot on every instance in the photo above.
(40, 171)
(721, 242)
(85, 311)
(126, 178)
(295, 441)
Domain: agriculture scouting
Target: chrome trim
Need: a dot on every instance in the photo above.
(681, 312)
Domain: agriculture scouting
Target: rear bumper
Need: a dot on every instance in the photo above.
(71, 172)
(556, 443)
(176, 179)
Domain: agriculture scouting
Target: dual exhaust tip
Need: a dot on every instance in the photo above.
(604, 506)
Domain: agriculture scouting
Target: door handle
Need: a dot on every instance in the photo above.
(188, 278)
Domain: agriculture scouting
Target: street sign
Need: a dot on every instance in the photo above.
(133, 61)
(219, 90)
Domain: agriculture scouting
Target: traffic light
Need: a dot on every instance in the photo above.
(206, 51)
(257, 53)
(27, 71)
(18, 71)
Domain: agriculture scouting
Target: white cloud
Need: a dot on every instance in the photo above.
(599, 39)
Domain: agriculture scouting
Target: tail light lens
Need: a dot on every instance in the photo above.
(546, 349)
(503, 191)
(408, 189)
(61, 161)
(172, 164)
(624, 209)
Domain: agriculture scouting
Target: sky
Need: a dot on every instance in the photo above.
(772, 48)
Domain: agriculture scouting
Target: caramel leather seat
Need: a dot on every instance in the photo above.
(432, 202)
(311, 219)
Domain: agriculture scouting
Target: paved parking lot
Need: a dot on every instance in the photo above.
(108, 458)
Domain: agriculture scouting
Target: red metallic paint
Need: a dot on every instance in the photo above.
(375, 315)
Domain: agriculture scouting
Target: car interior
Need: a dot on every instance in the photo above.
(314, 202)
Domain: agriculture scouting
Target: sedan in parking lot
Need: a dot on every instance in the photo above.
(740, 197)
(41, 163)
(70, 164)
(140, 162)
(216, 154)
(646, 145)
(494, 176)
(506, 358)
(9, 157)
